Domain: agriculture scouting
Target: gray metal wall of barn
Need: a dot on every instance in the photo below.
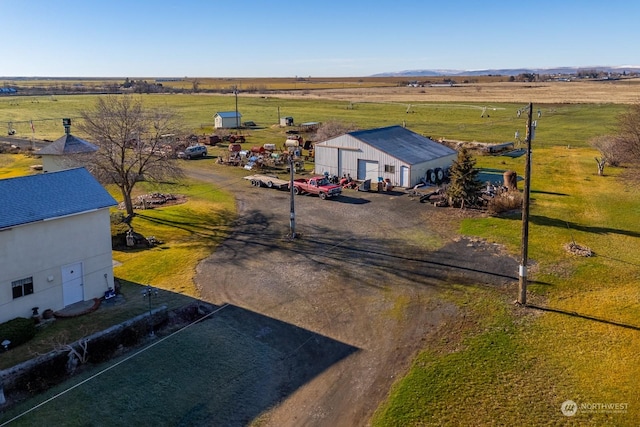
(340, 156)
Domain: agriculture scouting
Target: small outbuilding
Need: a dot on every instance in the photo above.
(55, 241)
(66, 152)
(227, 119)
(395, 153)
(286, 121)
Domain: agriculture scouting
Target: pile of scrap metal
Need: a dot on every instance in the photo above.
(437, 197)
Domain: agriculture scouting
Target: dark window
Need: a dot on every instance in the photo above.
(390, 168)
(22, 287)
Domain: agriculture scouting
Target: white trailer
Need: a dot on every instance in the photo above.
(269, 181)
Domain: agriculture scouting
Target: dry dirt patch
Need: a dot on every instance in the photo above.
(620, 91)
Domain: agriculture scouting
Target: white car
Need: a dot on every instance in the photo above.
(193, 152)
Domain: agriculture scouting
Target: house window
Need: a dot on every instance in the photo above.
(390, 168)
(22, 287)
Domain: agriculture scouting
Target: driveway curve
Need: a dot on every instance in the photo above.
(366, 270)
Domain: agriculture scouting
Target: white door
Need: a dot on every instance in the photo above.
(404, 176)
(72, 284)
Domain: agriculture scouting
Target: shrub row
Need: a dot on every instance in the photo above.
(18, 331)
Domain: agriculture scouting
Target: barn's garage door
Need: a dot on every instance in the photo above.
(368, 169)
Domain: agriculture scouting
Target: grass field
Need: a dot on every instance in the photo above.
(509, 366)
(246, 84)
(580, 346)
(561, 124)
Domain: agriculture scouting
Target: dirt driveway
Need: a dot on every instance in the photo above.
(367, 270)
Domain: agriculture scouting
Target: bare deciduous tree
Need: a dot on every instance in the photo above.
(328, 130)
(611, 151)
(76, 355)
(601, 161)
(135, 143)
(628, 136)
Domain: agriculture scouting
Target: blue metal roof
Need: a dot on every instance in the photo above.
(228, 114)
(34, 198)
(403, 144)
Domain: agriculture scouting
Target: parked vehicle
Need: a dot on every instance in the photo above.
(193, 152)
(319, 185)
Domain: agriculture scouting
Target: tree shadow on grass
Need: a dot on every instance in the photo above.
(206, 226)
(225, 369)
(556, 222)
(253, 362)
(584, 316)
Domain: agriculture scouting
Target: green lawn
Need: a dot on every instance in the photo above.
(516, 366)
(189, 233)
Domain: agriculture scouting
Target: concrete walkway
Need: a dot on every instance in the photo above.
(79, 308)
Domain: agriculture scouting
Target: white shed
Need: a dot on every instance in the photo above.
(227, 119)
(395, 153)
(66, 152)
(286, 121)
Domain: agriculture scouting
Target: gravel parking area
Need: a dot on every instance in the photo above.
(366, 270)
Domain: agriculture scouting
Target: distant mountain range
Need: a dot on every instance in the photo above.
(509, 71)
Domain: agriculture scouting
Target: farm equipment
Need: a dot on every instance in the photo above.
(293, 142)
(234, 158)
(212, 140)
(235, 138)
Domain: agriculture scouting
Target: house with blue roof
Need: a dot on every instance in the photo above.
(227, 119)
(392, 153)
(55, 241)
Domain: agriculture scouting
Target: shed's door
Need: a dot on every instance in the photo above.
(72, 284)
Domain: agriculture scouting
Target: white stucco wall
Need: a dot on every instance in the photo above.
(41, 249)
(52, 163)
(57, 162)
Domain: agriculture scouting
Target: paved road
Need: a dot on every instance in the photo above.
(23, 143)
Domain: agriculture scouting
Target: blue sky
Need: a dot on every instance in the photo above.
(274, 38)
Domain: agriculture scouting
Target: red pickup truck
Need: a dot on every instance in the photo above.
(319, 185)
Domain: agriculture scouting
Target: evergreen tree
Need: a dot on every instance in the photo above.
(464, 189)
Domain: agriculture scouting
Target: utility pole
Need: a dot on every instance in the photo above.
(292, 215)
(522, 283)
(235, 92)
